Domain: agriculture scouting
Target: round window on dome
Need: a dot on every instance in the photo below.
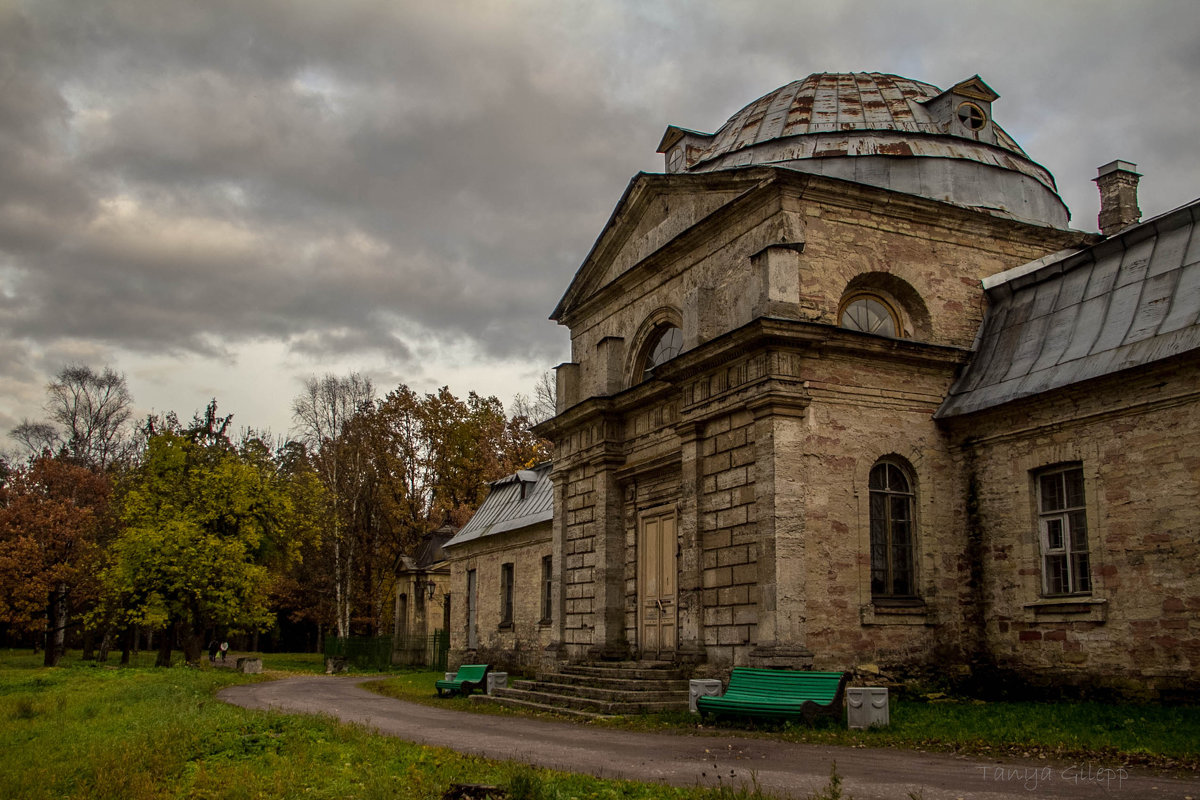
(971, 116)
(870, 314)
(665, 344)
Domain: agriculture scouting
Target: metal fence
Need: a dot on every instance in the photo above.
(429, 651)
(364, 652)
(381, 652)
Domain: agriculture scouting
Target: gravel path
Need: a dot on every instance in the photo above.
(782, 768)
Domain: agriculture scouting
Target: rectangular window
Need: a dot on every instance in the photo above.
(506, 594)
(1062, 531)
(547, 588)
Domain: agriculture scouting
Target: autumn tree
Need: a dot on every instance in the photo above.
(201, 522)
(53, 520)
(394, 470)
(321, 413)
(301, 587)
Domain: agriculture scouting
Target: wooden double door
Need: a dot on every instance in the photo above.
(658, 615)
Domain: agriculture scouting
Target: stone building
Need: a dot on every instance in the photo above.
(422, 599)
(845, 388)
(501, 565)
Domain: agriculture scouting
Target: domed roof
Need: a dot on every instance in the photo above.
(883, 130)
(830, 102)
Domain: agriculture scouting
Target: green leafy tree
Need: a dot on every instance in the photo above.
(202, 521)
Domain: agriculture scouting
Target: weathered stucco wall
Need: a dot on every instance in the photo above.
(1137, 439)
(516, 647)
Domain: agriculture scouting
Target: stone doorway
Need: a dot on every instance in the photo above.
(657, 580)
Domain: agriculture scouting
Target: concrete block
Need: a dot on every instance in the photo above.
(702, 687)
(867, 706)
(496, 680)
(250, 666)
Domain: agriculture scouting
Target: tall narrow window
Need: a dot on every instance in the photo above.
(547, 588)
(892, 545)
(1062, 529)
(506, 594)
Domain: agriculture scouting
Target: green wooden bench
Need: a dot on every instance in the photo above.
(468, 678)
(778, 694)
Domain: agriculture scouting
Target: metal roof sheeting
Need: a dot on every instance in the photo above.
(515, 501)
(1129, 300)
(832, 102)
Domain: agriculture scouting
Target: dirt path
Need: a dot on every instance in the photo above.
(783, 768)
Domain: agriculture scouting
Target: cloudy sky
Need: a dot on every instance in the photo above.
(220, 198)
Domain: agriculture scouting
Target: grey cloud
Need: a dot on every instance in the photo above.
(388, 179)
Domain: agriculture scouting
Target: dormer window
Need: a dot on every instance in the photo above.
(971, 116)
(664, 344)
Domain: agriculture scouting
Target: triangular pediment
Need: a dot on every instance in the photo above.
(655, 211)
(975, 89)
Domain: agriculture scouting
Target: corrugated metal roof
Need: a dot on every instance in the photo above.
(515, 501)
(1129, 300)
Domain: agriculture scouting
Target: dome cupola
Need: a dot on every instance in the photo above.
(882, 130)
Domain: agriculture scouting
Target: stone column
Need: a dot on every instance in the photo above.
(782, 564)
(608, 568)
(690, 603)
(558, 537)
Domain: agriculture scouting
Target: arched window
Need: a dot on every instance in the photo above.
(870, 313)
(664, 344)
(892, 532)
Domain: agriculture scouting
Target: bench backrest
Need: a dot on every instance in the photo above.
(819, 687)
(471, 672)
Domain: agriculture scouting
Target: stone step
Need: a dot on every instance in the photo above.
(624, 672)
(513, 702)
(622, 693)
(616, 684)
(596, 706)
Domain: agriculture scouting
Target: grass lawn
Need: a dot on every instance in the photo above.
(1133, 734)
(86, 731)
(83, 731)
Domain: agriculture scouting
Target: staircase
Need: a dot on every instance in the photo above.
(600, 689)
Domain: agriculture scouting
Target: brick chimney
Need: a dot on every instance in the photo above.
(1118, 183)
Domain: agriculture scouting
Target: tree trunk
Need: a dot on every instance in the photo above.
(166, 637)
(56, 626)
(128, 643)
(191, 639)
(106, 643)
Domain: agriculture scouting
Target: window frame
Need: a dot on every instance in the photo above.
(547, 589)
(1065, 566)
(507, 591)
(898, 330)
(657, 334)
(888, 525)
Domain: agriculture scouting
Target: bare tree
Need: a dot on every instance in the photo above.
(544, 403)
(321, 412)
(37, 437)
(88, 415)
(93, 408)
